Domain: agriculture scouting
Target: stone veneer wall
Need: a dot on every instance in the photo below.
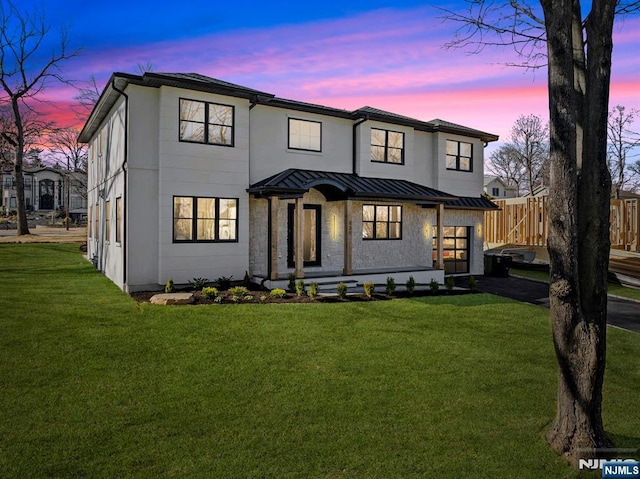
(258, 236)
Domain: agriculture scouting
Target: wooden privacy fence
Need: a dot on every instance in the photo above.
(523, 221)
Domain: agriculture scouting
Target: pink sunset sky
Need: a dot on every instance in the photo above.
(388, 58)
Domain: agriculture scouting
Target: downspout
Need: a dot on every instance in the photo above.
(354, 152)
(126, 193)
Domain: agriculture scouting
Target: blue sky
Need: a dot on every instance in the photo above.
(384, 54)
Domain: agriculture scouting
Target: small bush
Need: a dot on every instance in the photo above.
(292, 282)
(248, 297)
(391, 286)
(169, 287)
(313, 290)
(433, 284)
(369, 288)
(198, 283)
(449, 283)
(238, 292)
(263, 297)
(224, 282)
(300, 290)
(209, 292)
(342, 290)
(411, 285)
(278, 293)
(473, 283)
(246, 280)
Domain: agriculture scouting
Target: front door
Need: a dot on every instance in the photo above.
(311, 237)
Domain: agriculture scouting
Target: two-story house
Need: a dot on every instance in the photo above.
(195, 177)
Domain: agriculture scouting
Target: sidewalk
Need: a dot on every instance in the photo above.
(45, 234)
(621, 313)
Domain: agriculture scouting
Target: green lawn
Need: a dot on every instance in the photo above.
(94, 386)
(615, 289)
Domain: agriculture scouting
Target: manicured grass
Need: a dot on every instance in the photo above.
(615, 289)
(93, 385)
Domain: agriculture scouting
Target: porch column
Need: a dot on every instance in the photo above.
(275, 224)
(348, 238)
(440, 250)
(299, 238)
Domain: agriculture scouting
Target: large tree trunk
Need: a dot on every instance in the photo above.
(22, 226)
(578, 218)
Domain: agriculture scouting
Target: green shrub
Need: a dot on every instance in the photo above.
(238, 292)
(449, 283)
(198, 283)
(169, 287)
(411, 285)
(369, 288)
(433, 284)
(224, 282)
(278, 293)
(210, 292)
(473, 283)
(263, 297)
(313, 290)
(292, 282)
(342, 290)
(300, 290)
(391, 286)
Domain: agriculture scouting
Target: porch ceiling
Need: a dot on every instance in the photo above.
(294, 182)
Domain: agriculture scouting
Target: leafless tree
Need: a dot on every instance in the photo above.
(505, 164)
(24, 74)
(622, 141)
(577, 52)
(87, 97)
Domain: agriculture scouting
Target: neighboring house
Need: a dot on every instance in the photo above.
(195, 177)
(497, 188)
(45, 190)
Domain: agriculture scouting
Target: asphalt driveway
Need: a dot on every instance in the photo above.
(621, 313)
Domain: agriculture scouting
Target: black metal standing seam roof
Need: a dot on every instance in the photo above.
(297, 182)
(471, 203)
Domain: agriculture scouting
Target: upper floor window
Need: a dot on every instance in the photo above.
(204, 122)
(305, 135)
(459, 156)
(381, 222)
(205, 219)
(387, 146)
(495, 191)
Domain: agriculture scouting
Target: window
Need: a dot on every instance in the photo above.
(204, 219)
(455, 248)
(119, 220)
(381, 222)
(12, 202)
(387, 146)
(97, 222)
(107, 220)
(305, 135)
(495, 192)
(459, 156)
(89, 221)
(203, 122)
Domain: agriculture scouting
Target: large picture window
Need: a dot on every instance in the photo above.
(305, 135)
(203, 122)
(456, 247)
(381, 222)
(387, 146)
(459, 156)
(204, 219)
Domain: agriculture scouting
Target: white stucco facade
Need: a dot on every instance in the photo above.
(141, 170)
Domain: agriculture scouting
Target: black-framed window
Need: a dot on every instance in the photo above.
(459, 155)
(205, 220)
(387, 146)
(305, 135)
(456, 247)
(205, 122)
(381, 222)
(495, 192)
(107, 220)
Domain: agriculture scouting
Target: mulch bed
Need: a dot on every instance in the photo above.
(264, 297)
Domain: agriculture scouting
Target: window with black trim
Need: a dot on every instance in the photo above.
(198, 219)
(119, 219)
(305, 135)
(204, 122)
(381, 222)
(107, 220)
(459, 155)
(495, 191)
(456, 248)
(387, 146)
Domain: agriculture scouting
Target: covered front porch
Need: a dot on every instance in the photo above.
(337, 227)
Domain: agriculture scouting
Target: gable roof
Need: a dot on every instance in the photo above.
(295, 182)
(195, 81)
